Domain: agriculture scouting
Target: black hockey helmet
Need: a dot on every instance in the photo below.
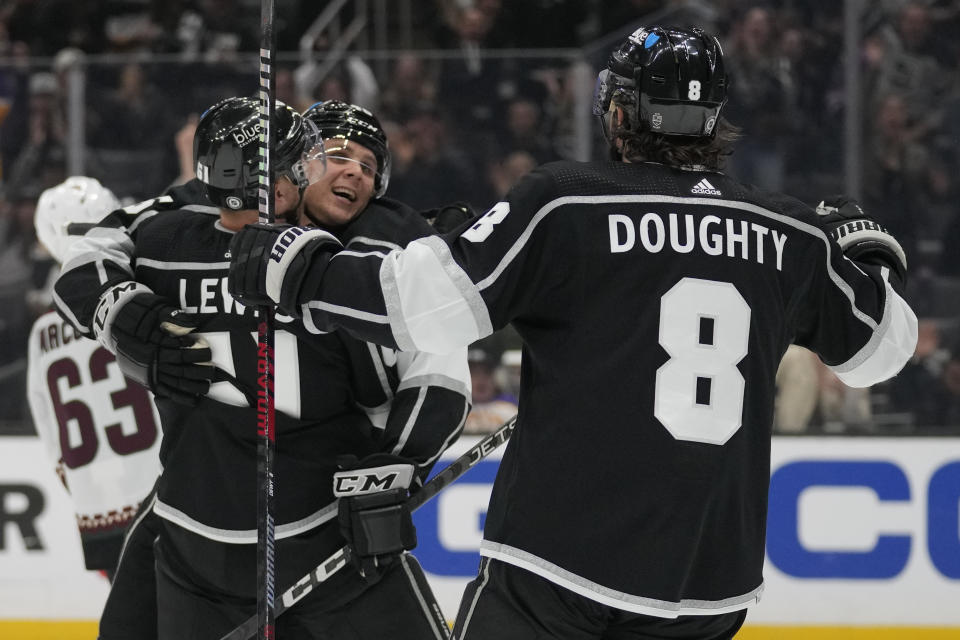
(345, 121)
(668, 80)
(226, 150)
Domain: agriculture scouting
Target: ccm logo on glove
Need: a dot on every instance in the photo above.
(365, 481)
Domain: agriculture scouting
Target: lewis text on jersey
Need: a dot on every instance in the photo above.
(711, 235)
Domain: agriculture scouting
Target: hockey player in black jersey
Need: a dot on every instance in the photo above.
(131, 607)
(144, 282)
(655, 297)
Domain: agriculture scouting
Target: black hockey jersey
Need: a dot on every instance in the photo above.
(654, 305)
(334, 394)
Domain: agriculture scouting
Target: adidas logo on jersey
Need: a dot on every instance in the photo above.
(706, 188)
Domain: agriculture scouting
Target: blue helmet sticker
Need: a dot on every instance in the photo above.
(650, 41)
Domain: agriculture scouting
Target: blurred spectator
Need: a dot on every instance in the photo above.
(409, 85)
(563, 86)
(798, 390)
(762, 97)
(545, 24)
(810, 166)
(895, 173)
(908, 67)
(402, 149)
(329, 76)
(129, 136)
(350, 80)
(471, 85)
(46, 26)
(132, 30)
(507, 171)
(922, 388)
(285, 87)
(438, 172)
(943, 192)
(17, 240)
(42, 160)
(492, 406)
(843, 409)
(133, 115)
(524, 131)
(178, 27)
(510, 365)
(14, 100)
(229, 27)
(183, 143)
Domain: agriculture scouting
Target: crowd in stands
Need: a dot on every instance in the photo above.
(468, 113)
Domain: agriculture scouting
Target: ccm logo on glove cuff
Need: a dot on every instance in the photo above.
(109, 305)
(365, 481)
(856, 232)
(285, 249)
(857, 225)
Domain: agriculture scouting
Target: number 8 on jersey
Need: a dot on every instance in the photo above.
(705, 329)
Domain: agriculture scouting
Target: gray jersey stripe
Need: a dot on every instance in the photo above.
(411, 421)
(484, 579)
(243, 536)
(415, 587)
(463, 283)
(375, 357)
(181, 266)
(347, 311)
(613, 597)
(389, 246)
(436, 380)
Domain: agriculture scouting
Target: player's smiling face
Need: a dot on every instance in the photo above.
(346, 187)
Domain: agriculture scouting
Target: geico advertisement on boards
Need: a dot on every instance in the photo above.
(861, 531)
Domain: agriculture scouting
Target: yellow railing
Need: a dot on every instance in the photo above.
(87, 630)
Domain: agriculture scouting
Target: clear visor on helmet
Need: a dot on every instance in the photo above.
(608, 84)
(611, 86)
(313, 160)
(338, 150)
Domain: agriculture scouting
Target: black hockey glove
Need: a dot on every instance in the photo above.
(449, 217)
(374, 517)
(149, 338)
(269, 263)
(861, 238)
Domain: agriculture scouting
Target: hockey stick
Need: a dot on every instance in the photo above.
(266, 417)
(338, 559)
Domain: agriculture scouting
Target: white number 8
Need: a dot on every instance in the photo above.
(693, 90)
(705, 328)
(483, 227)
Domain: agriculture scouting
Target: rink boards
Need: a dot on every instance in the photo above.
(863, 532)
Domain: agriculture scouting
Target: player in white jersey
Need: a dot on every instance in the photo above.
(100, 429)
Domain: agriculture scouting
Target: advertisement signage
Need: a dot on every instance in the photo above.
(862, 531)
